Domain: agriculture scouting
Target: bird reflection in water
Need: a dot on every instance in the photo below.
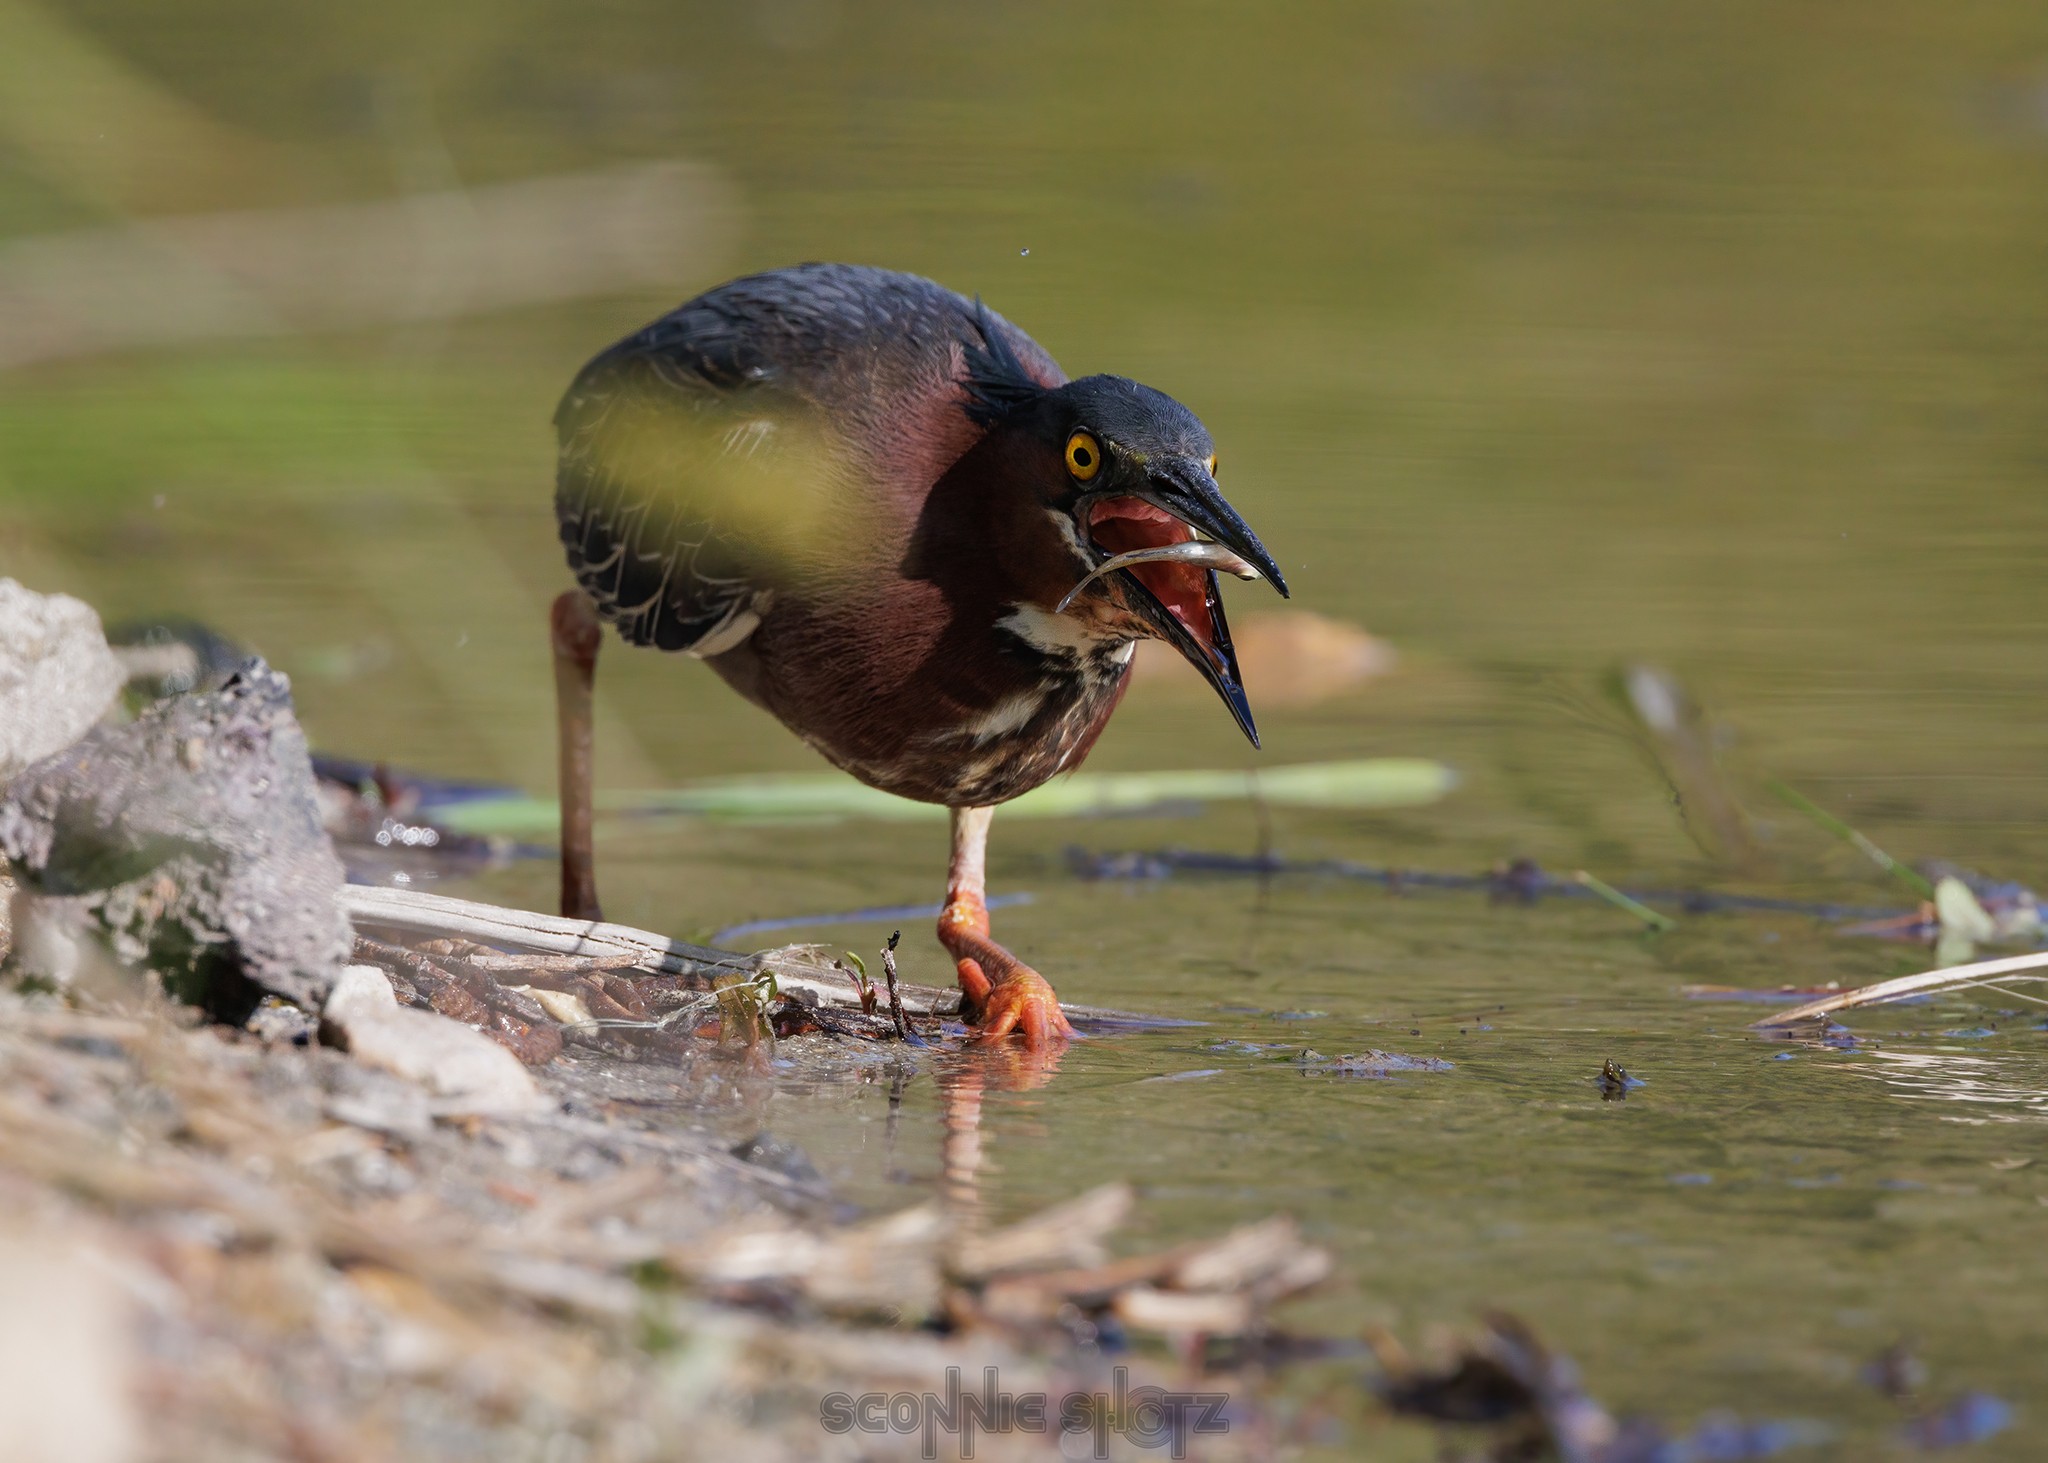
(964, 1078)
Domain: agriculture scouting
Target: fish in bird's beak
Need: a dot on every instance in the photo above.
(1163, 542)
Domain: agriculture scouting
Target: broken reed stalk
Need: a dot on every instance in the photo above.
(1911, 877)
(895, 995)
(1953, 978)
(797, 968)
(434, 916)
(1622, 901)
(492, 963)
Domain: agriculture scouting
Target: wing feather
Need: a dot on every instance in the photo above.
(693, 451)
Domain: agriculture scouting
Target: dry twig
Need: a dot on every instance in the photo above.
(1983, 973)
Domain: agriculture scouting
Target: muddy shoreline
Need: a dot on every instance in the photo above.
(353, 1188)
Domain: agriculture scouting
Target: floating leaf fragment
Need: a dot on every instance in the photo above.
(802, 797)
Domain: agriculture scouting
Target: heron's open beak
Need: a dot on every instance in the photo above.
(1178, 595)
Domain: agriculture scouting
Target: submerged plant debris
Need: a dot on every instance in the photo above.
(2006, 913)
(1377, 1064)
(1969, 1418)
(1531, 1403)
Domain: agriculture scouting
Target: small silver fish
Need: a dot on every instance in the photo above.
(1194, 551)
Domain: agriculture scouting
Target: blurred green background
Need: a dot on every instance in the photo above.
(1536, 338)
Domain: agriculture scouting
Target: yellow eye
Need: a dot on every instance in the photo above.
(1084, 456)
(1212, 464)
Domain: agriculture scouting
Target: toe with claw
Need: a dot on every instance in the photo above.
(1023, 1003)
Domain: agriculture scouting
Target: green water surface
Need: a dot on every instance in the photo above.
(1537, 339)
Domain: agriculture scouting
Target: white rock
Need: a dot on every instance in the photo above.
(67, 1356)
(561, 1006)
(57, 676)
(362, 994)
(465, 1070)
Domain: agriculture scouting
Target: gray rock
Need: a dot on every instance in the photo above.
(57, 676)
(188, 841)
(465, 1070)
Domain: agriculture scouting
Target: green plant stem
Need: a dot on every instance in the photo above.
(1620, 900)
(1911, 877)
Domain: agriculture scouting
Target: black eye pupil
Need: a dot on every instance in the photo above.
(1081, 456)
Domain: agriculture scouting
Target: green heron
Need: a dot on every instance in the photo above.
(883, 514)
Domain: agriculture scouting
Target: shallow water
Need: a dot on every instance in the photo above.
(1537, 339)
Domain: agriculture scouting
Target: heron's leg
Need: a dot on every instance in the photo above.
(1003, 994)
(576, 632)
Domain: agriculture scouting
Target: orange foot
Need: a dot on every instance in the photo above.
(1022, 1002)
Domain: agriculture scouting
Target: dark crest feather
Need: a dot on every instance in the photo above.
(996, 381)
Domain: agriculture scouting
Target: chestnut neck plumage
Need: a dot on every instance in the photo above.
(941, 671)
